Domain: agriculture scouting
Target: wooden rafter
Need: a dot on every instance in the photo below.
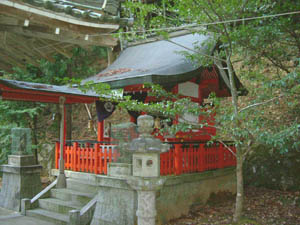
(63, 36)
(23, 43)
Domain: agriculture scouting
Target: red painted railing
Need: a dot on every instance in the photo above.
(90, 158)
(182, 158)
(195, 157)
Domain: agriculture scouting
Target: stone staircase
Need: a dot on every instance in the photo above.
(56, 208)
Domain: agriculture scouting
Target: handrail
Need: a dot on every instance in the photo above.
(83, 216)
(43, 192)
(196, 142)
(167, 142)
(91, 141)
(89, 206)
(27, 203)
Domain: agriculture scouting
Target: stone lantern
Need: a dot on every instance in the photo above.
(145, 151)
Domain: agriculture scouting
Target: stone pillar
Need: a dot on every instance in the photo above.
(21, 176)
(146, 212)
(146, 189)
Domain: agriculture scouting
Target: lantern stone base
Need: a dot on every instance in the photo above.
(21, 179)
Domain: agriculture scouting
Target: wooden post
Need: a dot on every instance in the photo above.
(178, 159)
(61, 179)
(105, 160)
(73, 158)
(57, 146)
(100, 131)
(65, 128)
(96, 158)
(132, 119)
(202, 157)
(221, 156)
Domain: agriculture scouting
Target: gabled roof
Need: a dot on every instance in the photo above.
(160, 62)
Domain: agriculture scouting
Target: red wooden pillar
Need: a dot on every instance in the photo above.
(202, 157)
(178, 159)
(65, 131)
(105, 161)
(57, 144)
(132, 119)
(96, 158)
(220, 156)
(73, 158)
(100, 136)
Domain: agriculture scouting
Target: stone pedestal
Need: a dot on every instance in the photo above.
(119, 169)
(21, 179)
(116, 204)
(146, 189)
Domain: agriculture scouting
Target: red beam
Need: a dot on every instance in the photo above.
(42, 96)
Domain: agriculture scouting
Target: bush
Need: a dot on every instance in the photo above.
(273, 169)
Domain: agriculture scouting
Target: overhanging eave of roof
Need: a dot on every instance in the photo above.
(154, 78)
(35, 92)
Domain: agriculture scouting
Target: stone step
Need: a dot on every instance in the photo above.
(81, 186)
(45, 215)
(58, 206)
(66, 194)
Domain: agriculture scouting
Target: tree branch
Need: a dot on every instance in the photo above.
(243, 6)
(227, 147)
(260, 103)
(209, 56)
(223, 24)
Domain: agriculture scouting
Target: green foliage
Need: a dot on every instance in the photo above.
(264, 49)
(27, 114)
(271, 168)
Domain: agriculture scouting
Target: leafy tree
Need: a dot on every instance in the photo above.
(83, 63)
(249, 39)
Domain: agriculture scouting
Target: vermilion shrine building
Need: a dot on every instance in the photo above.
(158, 62)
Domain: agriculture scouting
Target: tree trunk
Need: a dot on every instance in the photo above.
(239, 188)
(239, 155)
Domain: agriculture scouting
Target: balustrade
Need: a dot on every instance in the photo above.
(182, 158)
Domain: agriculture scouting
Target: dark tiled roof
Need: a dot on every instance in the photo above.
(91, 10)
(158, 62)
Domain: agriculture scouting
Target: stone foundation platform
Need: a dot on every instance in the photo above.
(117, 201)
